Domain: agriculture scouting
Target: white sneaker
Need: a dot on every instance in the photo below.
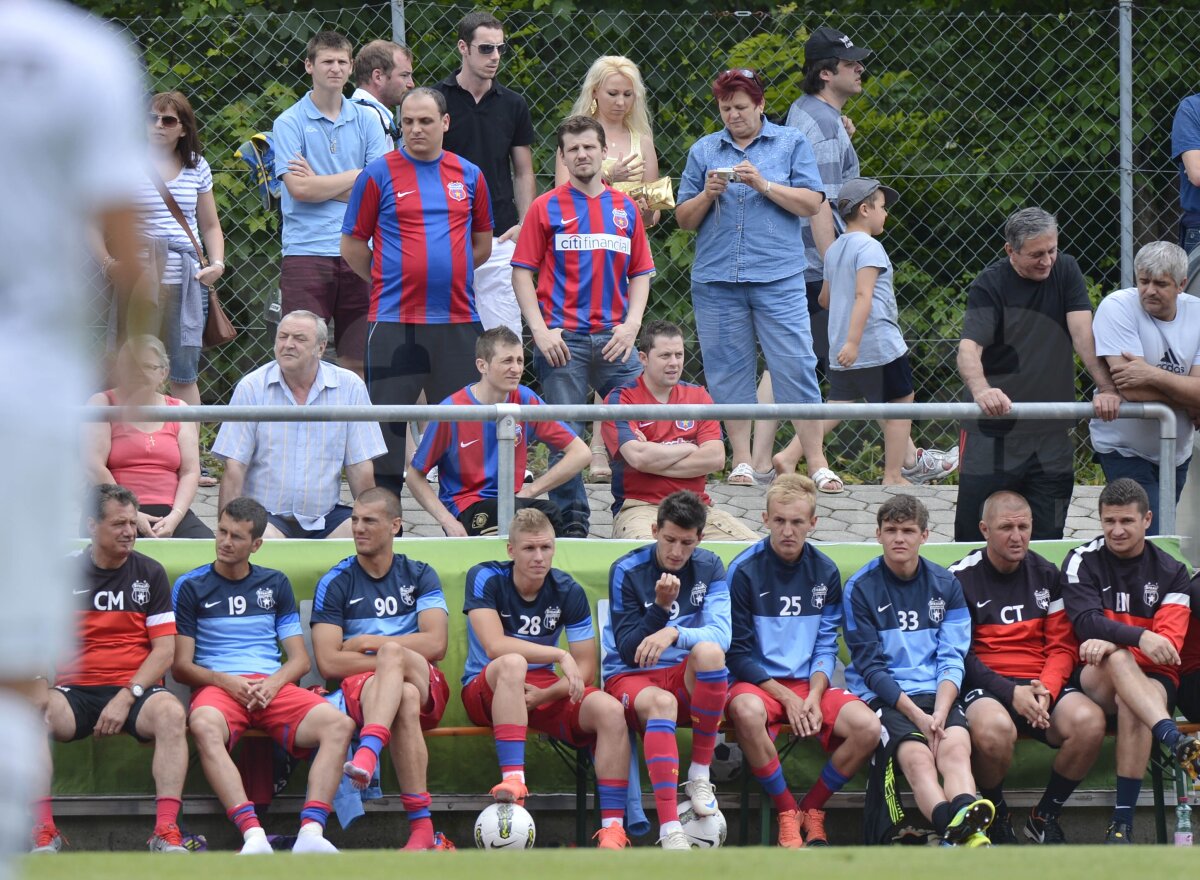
(312, 843)
(931, 465)
(256, 845)
(702, 795)
(674, 840)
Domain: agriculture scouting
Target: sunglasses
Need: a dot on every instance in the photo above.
(744, 71)
(166, 120)
(489, 48)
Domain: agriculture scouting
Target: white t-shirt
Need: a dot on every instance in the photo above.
(1122, 325)
(882, 342)
(157, 221)
(73, 145)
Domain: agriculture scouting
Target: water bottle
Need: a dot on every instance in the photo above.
(1183, 823)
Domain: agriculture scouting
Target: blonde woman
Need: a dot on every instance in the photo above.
(614, 94)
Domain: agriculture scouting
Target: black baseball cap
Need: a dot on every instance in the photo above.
(825, 42)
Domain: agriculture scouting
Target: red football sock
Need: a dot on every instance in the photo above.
(243, 817)
(420, 823)
(166, 811)
(708, 702)
(375, 738)
(662, 763)
(43, 812)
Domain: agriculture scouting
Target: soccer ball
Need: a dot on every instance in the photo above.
(703, 832)
(727, 760)
(504, 826)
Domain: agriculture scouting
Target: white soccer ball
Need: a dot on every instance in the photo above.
(505, 826)
(704, 832)
(727, 761)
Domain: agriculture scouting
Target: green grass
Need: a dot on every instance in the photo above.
(893, 863)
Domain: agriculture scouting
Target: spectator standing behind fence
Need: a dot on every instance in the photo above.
(744, 189)
(158, 461)
(1026, 313)
(383, 74)
(1150, 337)
(175, 158)
(322, 142)
(614, 94)
(869, 358)
(1185, 150)
(426, 211)
(490, 126)
(587, 245)
(294, 469)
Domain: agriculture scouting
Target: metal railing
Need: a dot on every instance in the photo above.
(506, 416)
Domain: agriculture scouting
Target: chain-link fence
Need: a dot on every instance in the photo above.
(969, 116)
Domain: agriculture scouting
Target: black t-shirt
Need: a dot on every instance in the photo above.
(1022, 327)
(485, 133)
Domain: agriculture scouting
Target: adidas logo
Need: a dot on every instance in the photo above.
(1170, 362)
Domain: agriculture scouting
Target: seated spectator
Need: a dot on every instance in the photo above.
(651, 460)
(464, 453)
(1150, 337)
(294, 469)
(158, 461)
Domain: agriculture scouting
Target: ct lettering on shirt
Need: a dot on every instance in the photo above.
(362, 605)
(119, 611)
(560, 605)
(237, 625)
(420, 217)
(584, 250)
(466, 454)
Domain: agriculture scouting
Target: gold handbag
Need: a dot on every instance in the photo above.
(659, 194)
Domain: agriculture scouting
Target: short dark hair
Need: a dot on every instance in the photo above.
(685, 509)
(656, 328)
(812, 74)
(731, 82)
(100, 495)
(328, 40)
(473, 21)
(425, 92)
(377, 55)
(902, 508)
(578, 125)
(490, 340)
(187, 148)
(247, 510)
(1124, 491)
(377, 494)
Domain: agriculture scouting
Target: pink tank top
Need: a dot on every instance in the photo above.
(146, 463)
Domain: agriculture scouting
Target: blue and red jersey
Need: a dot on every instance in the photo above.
(584, 249)
(653, 488)
(466, 454)
(420, 216)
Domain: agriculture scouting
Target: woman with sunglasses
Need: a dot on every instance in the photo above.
(744, 189)
(175, 160)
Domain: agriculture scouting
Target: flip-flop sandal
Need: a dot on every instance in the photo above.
(741, 475)
(824, 478)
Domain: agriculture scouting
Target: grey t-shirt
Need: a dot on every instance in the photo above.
(882, 341)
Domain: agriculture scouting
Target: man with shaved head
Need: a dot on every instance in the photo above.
(1021, 676)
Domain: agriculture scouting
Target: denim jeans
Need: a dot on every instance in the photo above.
(1145, 474)
(1190, 238)
(569, 383)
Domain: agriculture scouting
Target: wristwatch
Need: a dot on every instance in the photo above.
(136, 689)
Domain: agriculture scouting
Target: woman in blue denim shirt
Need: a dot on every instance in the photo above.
(744, 189)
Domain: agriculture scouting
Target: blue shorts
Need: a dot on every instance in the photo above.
(892, 381)
(292, 529)
(185, 359)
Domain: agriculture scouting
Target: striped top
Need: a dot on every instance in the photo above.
(157, 221)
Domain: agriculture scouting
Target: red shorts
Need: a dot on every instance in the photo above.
(279, 720)
(626, 686)
(431, 712)
(328, 287)
(832, 702)
(559, 719)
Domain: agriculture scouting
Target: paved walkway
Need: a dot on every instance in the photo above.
(849, 516)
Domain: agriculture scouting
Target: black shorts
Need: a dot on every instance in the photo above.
(1024, 728)
(897, 727)
(292, 529)
(892, 381)
(1189, 696)
(88, 701)
(481, 518)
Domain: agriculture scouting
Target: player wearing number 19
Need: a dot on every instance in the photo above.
(516, 612)
(231, 618)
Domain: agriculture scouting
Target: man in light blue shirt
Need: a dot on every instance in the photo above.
(294, 469)
(322, 142)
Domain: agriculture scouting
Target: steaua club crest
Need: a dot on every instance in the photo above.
(1150, 593)
(456, 190)
(265, 597)
(698, 592)
(140, 590)
(620, 219)
(819, 592)
(1042, 597)
(553, 613)
(685, 425)
(937, 610)
(406, 594)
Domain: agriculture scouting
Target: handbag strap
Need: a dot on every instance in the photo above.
(176, 211)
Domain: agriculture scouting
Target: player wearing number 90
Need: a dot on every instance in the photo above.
(516, 612)
(664, 654)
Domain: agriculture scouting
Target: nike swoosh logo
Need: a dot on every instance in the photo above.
(645, 424)
(212, 604)
(466, 443)
(981, 604)
(647, 605)
(407, 192)
(1106, 589)
(567, 220)
(80, 592)
(764, 594)
(505, 614)
(355, 601)
(883, 608)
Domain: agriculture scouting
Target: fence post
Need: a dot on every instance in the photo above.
(506, 441)
(1125, 14)
(398, 22)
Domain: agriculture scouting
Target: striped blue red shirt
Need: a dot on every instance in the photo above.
(585, 250)
(466, 454)
(420, 216)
